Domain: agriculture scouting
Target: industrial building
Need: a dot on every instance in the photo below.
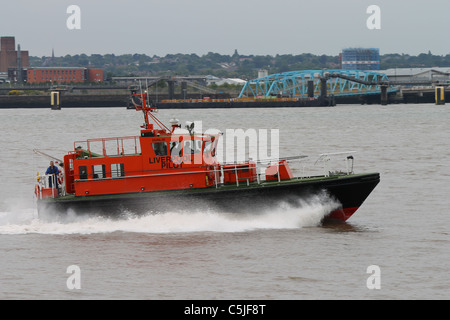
(9, 55)
(12, 60)
(412, 75)
(64, 75)
(360, 59)
(14, 67)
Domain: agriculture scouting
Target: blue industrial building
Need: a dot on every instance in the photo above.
(360, 59)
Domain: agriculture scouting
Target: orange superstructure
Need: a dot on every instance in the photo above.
(142, 163)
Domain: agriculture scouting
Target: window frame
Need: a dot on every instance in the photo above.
(117, 170)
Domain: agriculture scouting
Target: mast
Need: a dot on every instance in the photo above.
(140, 103)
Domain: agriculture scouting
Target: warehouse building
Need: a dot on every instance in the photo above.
(64, 75)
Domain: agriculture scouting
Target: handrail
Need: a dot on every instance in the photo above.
(119, 145)
(44, 183)
(265, 161)
(326, 157)
(217, 169)
(221, 166)
(323, 155)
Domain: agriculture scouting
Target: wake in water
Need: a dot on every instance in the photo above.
(306, 213)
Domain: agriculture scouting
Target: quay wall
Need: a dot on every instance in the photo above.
(123, 100)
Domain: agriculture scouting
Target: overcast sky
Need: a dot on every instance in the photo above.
(260, 27)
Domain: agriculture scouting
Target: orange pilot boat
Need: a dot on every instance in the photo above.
(166, 169)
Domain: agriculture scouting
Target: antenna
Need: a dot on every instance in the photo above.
(146, 86)
(143, 106)
(190, 127)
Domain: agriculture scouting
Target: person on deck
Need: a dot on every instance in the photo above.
(53, 171)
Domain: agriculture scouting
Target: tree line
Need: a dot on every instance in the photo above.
(222, 65)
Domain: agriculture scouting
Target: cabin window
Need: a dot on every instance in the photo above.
(117, 170)
(99, 171)
(83, 172)
(192, 146)
(160, 149)
(175, 148)
(209, 150)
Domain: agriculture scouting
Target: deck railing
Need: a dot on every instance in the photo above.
(116, 146)
(46, 181)
(50, 186)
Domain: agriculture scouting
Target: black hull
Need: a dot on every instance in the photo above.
(349, 191)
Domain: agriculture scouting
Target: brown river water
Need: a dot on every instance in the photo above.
(402, 228)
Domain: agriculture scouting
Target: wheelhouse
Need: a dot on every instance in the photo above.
(147, 162)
